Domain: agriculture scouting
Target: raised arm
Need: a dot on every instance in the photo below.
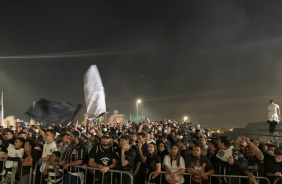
(259, 154)
(40, 131)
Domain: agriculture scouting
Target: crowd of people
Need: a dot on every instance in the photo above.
(144, 150)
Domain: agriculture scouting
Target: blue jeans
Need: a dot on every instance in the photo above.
(71, 179)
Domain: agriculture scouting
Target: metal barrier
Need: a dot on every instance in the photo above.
(277, 179)
(38, 176)
(230, 177)
(86, 176)
(23, 169)
(111, 173)
(218, 177)
(10, 169)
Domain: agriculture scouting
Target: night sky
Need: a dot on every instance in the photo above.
(217, 62)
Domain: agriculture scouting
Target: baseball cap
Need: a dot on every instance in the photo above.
(106, 135)
(125, 137)
(184, 141)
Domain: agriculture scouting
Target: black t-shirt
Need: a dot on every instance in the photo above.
(153, 169)
(212, 157)
(103, 156)
(271, 166)
(185, 153)
(255, 166)
(162, 155)
(200, 164)
(130, 157)
(137, 158)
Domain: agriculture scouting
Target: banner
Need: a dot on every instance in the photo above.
(49, 112)
(94, 93)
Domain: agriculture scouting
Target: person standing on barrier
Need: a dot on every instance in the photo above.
(273, 116)
(126, 159)
(74, 156)
(103, 157)
(199, 166)
(174, 165)
(153, 164)
(143, 151)
(273, 166)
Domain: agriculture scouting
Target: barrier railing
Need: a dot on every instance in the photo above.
(86, 176)
(38, 176)
(230, 177)
(219, 178)
(10, 169)
(109, 177)
(24, 168)
(277, 179)
(111, 172)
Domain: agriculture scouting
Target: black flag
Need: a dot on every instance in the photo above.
(49, 112)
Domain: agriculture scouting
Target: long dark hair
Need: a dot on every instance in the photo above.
(177, 156)
(152, 157)
(158, 142)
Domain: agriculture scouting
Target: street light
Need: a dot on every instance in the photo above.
(137, 102)
(185, 118)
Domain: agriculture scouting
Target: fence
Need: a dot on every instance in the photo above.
(277, 180)
(9, 169)
(219, 178)
(89, 175)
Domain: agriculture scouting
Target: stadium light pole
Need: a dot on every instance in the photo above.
(137, 102)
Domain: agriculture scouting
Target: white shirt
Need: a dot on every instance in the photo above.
(174, 168)
(272, 112)
(225, 154)
(12, 152)
(47, 151)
